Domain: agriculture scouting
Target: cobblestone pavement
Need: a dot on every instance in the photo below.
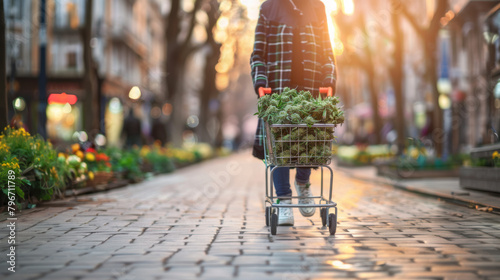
(207, 221)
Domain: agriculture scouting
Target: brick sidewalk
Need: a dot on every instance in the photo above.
(207, 221)
(444, 188)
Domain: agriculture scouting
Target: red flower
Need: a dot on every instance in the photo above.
(91, 150)
(103, 157)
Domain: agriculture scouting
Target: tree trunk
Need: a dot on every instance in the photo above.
(91, 105)
(429, 37)
(209, 90)
(219, 136)
(438, 136)
(377, 121)
(208, 93)
(3, 86)
(175, 87)
(366, 64)
(177, 52)
(397, 81)
(205, 96)
(42, 75)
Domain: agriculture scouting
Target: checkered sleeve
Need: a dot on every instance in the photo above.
(258, 58)
(329, 68)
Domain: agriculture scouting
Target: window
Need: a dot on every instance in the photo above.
(71, 60)
(14, 9)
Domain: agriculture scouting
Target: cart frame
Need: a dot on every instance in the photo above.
(271, 163)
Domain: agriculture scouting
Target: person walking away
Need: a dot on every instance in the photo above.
(132, 130)
(292, 49)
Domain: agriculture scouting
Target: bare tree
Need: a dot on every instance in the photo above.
(397, 76)
(429, 39)
(179, 47)
(92, 113)
(3, 86)
(364, 62)
(209, 92)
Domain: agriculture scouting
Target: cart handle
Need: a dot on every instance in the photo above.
(327, 90)
(264, 91)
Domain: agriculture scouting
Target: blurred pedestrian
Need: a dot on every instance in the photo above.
(132, 130)
(159, 131)
(17, 122)
(292, 49)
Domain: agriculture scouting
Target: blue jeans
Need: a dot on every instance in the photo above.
(281, 179)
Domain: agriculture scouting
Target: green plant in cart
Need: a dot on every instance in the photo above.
(299, 144)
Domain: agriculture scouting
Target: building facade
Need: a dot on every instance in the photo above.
(474, 51)
(127, 48)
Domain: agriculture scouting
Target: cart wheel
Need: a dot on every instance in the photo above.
(268, 214)
(332, 223)
(274, 223)
(323, 213)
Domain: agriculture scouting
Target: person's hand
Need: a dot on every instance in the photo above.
(264, 91)
(327, 90)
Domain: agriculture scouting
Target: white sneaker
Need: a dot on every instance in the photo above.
(285, 214)
(305, 191)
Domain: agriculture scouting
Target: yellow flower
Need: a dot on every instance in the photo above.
(89, 156)
(495, 155)
(144, 151)
(79, 154)
(91, 175)
(75, 147)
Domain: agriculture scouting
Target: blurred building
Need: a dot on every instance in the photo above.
(127, 48)
(475, 60)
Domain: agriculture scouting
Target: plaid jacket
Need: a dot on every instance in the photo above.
(271, 59)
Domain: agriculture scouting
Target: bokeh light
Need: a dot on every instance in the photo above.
(100, 140)
(82, 136)
(193, 121)
(19, 104)
(115, 106)
(167, 109)
(135, 93)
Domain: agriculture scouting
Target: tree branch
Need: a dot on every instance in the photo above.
(192, 22)
(172, 29)
(435, 24)
(419, 29)
(195, 48)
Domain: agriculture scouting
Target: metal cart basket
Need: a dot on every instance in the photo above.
(299, 145)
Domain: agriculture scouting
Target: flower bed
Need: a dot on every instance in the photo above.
(362, 155)
(416, 162)
(483, 173)
(42, 173)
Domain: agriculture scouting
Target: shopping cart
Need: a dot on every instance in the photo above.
(295, 156)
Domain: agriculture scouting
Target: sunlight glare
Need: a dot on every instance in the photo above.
(340, 265)
(253, 8)
(331, 9)
(348, 7)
